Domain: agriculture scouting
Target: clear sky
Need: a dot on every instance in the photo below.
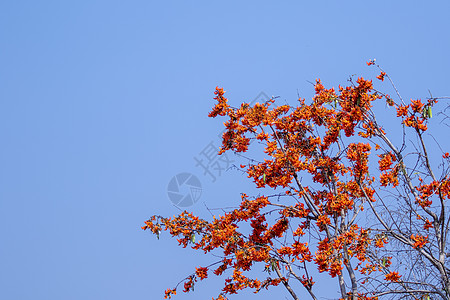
(103, 102)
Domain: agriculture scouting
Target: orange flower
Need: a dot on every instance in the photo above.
(169, 292)
(402, 110)
(307, 282)
(381, 76)
(393, 276)
(427, 225)
(389, 100)
(419, 241)
(380, 242)
(416, 106)
(201, 273)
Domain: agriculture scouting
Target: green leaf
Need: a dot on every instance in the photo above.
(193, 238)
(274, 266)
(430, 114)
(264, 177)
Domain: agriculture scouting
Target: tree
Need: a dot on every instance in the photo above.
(375, 209)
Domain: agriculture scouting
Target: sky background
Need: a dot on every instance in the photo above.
(103, 102)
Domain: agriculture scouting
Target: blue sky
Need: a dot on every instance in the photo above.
(103, 102)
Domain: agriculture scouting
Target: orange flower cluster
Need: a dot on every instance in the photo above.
(419, 241)
(380, 241)
(201, 273)
(426, 191)
(307, 282)
(416, 113)
(386, 160)
(221, 108)
(427, 225)
(329, 255)
(392, 276)
(391, 174)
(358, 154)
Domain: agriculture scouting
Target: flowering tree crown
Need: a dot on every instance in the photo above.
(365, 224)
